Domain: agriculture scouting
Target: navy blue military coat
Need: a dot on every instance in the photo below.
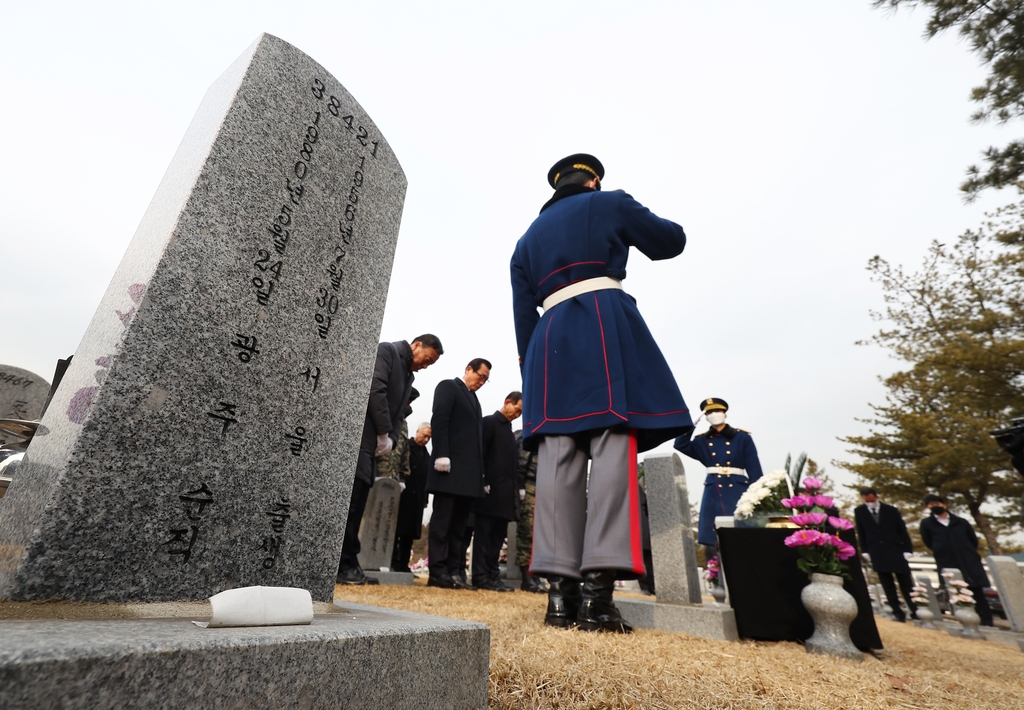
(590, 362)
(731, 448)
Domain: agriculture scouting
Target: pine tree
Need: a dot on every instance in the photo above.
(994, 29)
(957, 323)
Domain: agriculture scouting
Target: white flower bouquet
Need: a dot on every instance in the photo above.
(764, 495)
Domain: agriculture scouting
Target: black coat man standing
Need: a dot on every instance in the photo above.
(883, 535)
(390, 389)
(457, 476)
(495, 510)
(955, 545)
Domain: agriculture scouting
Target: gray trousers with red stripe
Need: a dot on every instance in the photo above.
(579, 527)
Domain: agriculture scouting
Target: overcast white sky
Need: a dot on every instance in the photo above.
(792, 140)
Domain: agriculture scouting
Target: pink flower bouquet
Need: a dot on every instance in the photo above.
(821, 551)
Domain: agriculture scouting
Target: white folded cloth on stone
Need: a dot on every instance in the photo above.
(260, 606)
(727, 471)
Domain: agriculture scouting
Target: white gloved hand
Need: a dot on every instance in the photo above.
(487, 490)
(402, 485)
(522, 494)
(443, 464)
(907, 555)
(384, 444)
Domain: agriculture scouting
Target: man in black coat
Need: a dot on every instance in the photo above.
(883, 535)
(955, 546)
(493, 512)
(457, 476)
(413, 499)
(390, 389)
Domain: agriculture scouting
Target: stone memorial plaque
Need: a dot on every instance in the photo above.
(672, 546)
(22, 395)
(205, 435)
(1009, 582)
(512, 572)
(380, 520)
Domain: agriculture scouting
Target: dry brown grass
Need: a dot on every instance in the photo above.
(534, 666)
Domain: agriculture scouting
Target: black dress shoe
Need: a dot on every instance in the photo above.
(531, 583)
(492, 584)
(354, 576)
(442, 581)
(563, 602)
(462, 584)
(597, 610)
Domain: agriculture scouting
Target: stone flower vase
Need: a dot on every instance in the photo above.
(718, 593)
(832, 608)
(970, 620)
(926, 617)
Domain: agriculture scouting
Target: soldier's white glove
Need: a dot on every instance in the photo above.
(443, 464)
(487, 490)
(522, 494)
(907, 555)
(384, 444)
(402, 485)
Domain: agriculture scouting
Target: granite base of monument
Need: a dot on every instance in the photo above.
(706, 621)
(396, 579)
(362, 657)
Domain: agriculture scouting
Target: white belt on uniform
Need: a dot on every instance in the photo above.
(727, 471)
(600, 283)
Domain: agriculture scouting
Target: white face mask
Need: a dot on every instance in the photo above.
(716, 418)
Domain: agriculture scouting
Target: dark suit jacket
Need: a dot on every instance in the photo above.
(955, 547)
(457, 435)
(414, 497)
(501, 459)
(385, 411)
(886, 540)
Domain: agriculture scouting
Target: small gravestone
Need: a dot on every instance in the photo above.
(512, 571)
(22, 394)
(1010, 584)
(377, 531)
(205, 435)
(933, 599)
(678, 585)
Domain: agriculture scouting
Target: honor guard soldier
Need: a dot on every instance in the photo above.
(596, 388)
(731, 461)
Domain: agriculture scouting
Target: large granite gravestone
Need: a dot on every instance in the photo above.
(22, 394)
(678, 606)
(205, 434)
(1010, 584)
(377, 532)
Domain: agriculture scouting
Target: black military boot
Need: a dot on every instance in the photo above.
(597, 611)
(563, 602)
(531, 583)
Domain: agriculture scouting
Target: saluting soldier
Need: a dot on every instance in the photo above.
(595, 387)
(730, 458)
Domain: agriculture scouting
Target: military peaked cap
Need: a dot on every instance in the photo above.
(578, 161)
(712, 404)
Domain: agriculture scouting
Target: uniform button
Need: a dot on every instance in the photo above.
(728, 452)
(710, 444)
(730, 485)
(728, 443)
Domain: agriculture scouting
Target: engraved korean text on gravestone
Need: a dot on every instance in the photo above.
(22, 394)
(205, 434)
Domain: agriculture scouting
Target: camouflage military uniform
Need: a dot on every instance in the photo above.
(395, 464)
(527, 480)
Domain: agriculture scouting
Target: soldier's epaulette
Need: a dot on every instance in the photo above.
(743, 430)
